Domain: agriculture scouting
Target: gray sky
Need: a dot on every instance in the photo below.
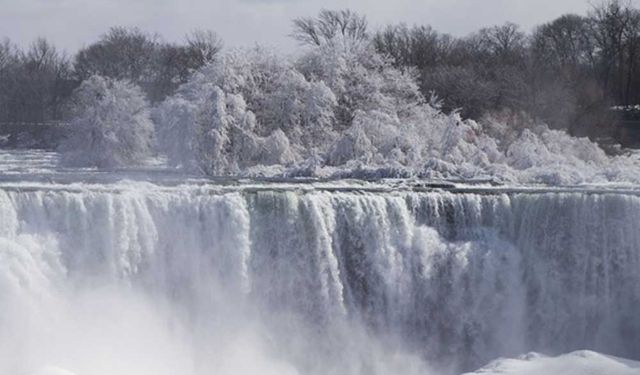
(74, 23)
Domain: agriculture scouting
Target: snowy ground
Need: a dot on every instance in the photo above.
(576, 363)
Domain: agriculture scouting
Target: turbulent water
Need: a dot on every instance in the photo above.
(136, 278)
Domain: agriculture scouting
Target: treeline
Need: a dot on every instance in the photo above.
(568, 72)
(36, 82)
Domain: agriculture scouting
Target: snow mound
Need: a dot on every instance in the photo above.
(576, 363)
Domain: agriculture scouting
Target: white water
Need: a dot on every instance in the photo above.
(138, 278)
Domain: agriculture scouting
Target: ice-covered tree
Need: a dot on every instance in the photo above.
(246, 109)
(110, 125)
(360, 78)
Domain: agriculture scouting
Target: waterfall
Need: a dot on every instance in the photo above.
(194, 278)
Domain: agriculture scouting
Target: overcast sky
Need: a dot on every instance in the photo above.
(74, 23)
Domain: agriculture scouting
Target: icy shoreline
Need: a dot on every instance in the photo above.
(35, 167)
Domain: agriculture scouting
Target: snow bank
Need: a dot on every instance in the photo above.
(576, 363)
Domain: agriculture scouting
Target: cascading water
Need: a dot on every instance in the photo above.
(140, 279)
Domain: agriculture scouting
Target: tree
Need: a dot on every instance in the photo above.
(461, 88)
(157, 67)
(328, 25)
(504, 44)
(37, 81)
(176, 63)
(8, 66)
(563, 72)
(483, 72)
(616, 29)
(7, 54)
(565, 45)
(246, 109)
(202, 46)
(110, 125)
(122, 54)
(420, 46)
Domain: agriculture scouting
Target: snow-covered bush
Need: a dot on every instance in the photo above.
(110, 125)
(248, 108)
(341, 109)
